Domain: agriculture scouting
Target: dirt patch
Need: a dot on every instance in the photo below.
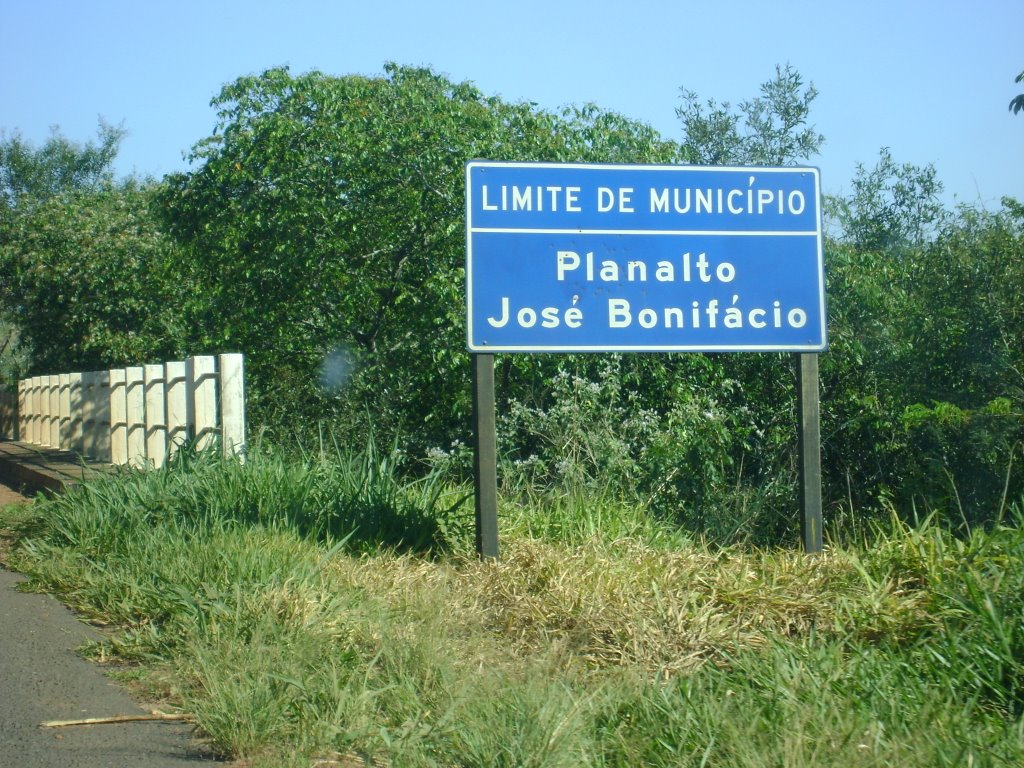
(10, 496)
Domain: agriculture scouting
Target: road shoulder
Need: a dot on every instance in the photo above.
(43, 678)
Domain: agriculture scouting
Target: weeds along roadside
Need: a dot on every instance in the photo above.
(323, 606)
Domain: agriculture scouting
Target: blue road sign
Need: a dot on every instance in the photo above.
(603, 258)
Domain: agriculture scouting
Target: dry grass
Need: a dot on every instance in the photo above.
(624, 604)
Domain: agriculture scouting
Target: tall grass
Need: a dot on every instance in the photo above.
(321, 608)
(357, 496)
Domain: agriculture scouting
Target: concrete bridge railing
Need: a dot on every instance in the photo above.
(136, 415)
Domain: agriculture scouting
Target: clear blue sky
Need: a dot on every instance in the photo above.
(930, 79)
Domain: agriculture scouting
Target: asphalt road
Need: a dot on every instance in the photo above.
(42, 678)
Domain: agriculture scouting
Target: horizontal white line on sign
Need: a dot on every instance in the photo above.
(651, 348)
(688, 232)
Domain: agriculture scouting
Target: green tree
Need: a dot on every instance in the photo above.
(87, 277)
(32, 175)
(84, 268)
(893, 205)
(326, 213)
(770, 129)
(965, 415)
(13, 354)
(923, 383)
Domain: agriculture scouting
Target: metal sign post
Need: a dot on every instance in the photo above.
(809, 436)
(485, 457)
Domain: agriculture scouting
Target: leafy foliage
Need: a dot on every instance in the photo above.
(85, 271)
(326, 213)
(770, 129)
(922, 382)
(29, 175)
(893, 205)
(1017, 102)
(87, 278)
(13, 354)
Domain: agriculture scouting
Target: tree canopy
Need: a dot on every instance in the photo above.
(83, 260)
(769, 129)
(327, 212)
(30, 174)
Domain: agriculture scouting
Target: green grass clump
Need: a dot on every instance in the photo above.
(322, 610)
